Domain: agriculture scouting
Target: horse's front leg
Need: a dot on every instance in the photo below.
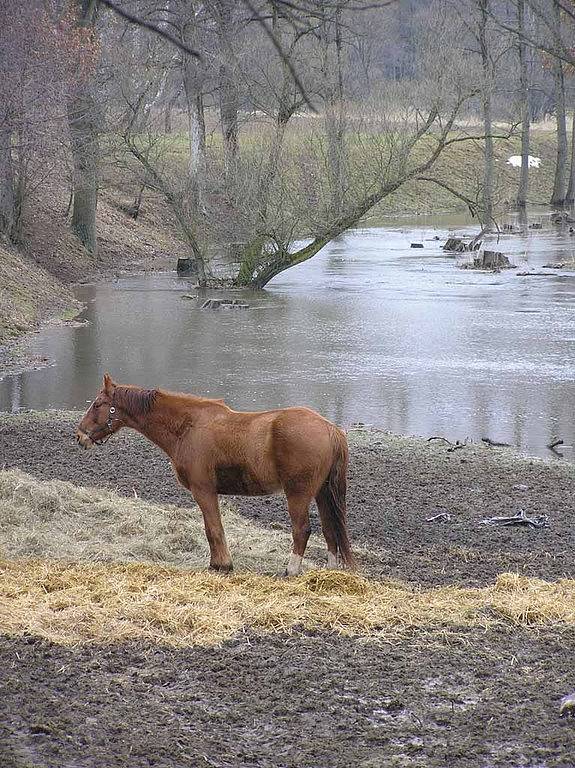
(220, 558)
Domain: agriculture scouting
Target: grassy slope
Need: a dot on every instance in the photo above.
(29, 294)
(461, 166)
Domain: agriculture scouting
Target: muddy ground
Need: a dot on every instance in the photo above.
(469, 698)
(394, 485)
(295, 701)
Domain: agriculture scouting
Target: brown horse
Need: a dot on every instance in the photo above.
(215, 450)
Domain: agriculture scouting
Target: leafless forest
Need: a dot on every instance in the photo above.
(262, 123)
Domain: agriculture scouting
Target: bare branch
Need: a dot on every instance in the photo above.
(139, 22)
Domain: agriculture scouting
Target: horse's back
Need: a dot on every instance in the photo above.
(264, 452)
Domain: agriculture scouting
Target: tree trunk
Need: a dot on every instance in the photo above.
(7, 198)
(192, 77)
(168, 109)
(83, 126)
(332, 76)
(525, 112)
(85, 152)
(487, 211)
(229, 101)
(559, 184)
(570, 199)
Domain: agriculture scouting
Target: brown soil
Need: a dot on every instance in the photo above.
(474, 700)
(464, 697)
(394, 485)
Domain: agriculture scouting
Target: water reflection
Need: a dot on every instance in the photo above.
(370, 330)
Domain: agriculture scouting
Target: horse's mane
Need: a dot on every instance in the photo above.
(135, 401)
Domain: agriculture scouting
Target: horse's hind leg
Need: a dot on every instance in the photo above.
(298, 508)
(325, 515)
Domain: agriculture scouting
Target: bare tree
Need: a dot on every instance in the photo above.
(559, 183)
(524, 104)
(225, 16)
(84, 134)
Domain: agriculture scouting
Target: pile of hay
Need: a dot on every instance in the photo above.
(60, 520)
(72, 603)
(66, 576)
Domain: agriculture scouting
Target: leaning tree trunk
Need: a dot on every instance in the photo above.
(83, 126)
(7, 197)
(253, 253)
(559, 184)
(525, 112)
(487, 118)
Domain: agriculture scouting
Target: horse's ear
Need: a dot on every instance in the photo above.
(107, 384)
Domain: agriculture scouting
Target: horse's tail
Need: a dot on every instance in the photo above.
(332, 498)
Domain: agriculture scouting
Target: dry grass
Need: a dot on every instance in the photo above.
(73, 603)
(56, 519)
(64, 577)
(28, 294)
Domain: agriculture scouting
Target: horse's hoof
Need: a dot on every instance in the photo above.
(221, 567)
(294, 565)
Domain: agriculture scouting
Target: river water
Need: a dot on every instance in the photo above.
(370, 330)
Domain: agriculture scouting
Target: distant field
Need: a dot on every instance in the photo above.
(461, 165)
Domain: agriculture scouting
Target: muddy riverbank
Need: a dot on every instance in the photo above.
(395, 484)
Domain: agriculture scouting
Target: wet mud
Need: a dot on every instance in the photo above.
(474, 700)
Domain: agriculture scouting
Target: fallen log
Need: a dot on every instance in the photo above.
(494, 443)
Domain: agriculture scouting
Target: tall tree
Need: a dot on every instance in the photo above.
(486, 100)
(333, 98)
(224, 14)
(84, 135)
(570, 197)
(559, 182)
(524, 104)
(193, 81)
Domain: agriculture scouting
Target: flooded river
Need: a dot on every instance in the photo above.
(370, 330)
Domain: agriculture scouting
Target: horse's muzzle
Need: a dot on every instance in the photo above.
(83, 439)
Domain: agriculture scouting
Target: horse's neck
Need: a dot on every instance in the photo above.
(167, 420)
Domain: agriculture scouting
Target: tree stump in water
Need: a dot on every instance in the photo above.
(455, 244)
(493, 260)
(489, 260)
(458, 245)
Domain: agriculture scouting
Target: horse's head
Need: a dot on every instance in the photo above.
(102, 418)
